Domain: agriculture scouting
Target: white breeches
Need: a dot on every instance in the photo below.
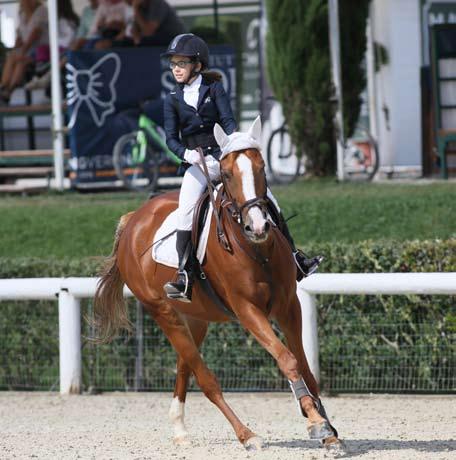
(193, 185)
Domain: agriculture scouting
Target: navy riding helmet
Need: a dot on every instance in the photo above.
(191, 46)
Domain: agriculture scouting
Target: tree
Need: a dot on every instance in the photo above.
(299, 72)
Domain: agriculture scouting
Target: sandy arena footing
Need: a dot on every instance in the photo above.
(136, 426)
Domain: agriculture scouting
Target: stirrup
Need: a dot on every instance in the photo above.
(312, 268)
(179, 291)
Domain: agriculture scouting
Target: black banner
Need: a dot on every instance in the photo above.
(104, 93)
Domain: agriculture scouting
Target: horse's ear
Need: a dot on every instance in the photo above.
(220, 136)
(255, 129)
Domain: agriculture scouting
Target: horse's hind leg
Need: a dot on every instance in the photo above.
(198, 330)
(290, 322)
(182, 341)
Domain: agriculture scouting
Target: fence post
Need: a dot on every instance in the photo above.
(139, 362)
(310, 330)
(70, 343)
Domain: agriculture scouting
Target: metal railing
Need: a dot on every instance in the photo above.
(70, 291)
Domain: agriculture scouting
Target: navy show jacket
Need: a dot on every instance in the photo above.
(182, 120)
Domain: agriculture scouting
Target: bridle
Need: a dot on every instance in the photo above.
(236, 213)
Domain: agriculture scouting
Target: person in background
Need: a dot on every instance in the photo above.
(155, 23)
(68, 23)
(87, 17)
(32, 33)
(111, 22)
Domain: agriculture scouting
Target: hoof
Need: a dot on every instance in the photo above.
(182, 440)
(334, 446)
(320, 431)
(254, 443)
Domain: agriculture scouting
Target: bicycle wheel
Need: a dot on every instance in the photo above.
(136, 171)
(361, 160)
(283, 162)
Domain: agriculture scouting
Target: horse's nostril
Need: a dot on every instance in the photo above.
(267, 226)
(247, 228)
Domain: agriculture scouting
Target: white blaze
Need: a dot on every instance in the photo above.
(248, 188)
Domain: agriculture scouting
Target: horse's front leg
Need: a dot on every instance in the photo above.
(290, 322)
(254, 320)
(198, 330)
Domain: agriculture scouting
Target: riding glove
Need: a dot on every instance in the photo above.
(192, 156)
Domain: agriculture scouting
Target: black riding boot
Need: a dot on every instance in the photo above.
(306, 266)
(181, 289)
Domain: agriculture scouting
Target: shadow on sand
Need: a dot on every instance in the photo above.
(355, 447)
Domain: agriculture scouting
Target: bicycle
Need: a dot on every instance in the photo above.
(361, 159)
(138, 155)
(283, 162)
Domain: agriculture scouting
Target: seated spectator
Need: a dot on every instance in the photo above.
(67, 26)
(111, 22)
(155, 23)
(87, 17)
(32, 32)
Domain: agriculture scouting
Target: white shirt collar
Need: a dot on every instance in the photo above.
(194, 85)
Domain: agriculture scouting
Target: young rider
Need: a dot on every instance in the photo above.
(191, 110)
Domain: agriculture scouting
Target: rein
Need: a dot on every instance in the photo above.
(220, 233)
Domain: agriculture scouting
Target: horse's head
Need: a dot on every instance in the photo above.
(244, 178)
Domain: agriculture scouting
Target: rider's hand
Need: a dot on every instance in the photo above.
(192, 157)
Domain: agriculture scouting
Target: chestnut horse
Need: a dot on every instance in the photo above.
(255, 278)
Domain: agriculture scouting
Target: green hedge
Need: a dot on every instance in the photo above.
(367, 343)
(363, 257)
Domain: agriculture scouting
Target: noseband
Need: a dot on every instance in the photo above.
(237, 211)
(261, 202)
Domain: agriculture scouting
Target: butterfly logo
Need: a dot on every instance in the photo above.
(93, 88)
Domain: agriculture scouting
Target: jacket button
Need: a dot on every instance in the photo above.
(201, 126)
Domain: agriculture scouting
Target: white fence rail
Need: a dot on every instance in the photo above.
(69, 291)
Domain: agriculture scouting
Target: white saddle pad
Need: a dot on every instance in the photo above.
(164, 252)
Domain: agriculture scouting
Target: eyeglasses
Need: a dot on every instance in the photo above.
(180, 64)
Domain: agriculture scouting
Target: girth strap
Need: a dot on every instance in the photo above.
(210, 292)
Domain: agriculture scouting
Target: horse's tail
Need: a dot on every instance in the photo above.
(110, 308)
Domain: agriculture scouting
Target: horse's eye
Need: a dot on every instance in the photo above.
(226, 174)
